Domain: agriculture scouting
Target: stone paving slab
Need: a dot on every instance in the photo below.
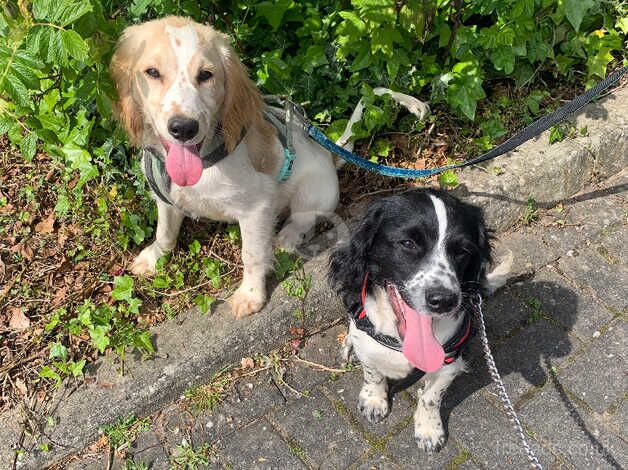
(485, 432)
(598, 376)
(258, 447)
(557, 298)
(583, 441)
(321, 432)
(589, 269)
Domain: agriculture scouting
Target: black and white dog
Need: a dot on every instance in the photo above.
(408, 273)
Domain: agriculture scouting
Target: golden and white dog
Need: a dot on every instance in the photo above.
(180, 86)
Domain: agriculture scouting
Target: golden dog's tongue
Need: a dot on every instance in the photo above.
(420, 346)
(184, 164)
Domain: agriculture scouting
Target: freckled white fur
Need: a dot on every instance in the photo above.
(439, 270)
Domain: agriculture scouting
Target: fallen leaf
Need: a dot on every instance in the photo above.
(59, 296)
(341, 338)
(247, 363)
(46, 225)
(21, 387)
(18, 320)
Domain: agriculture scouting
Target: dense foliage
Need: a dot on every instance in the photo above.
(55, 95)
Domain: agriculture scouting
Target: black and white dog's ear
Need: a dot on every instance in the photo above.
(348, 264)
(476, 271)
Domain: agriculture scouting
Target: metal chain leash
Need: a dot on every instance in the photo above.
(501, 390)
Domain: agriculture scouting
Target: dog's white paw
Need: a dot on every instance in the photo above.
(290, 237)
(246, 300)
(144, 263)
(418, 108)
(373, 406)
(429, 434)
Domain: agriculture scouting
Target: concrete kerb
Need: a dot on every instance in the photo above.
(192, 347)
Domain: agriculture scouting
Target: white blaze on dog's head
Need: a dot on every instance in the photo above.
(435, 285)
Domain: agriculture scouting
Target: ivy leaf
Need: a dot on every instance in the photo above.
(76, 368)
(575, 11)
(596, 64)
(122, 288)
(465, 90)
(448, 179)
(503, 59)
(48, 373)
(204, 302)
(28, 146)
(58, 351)
(74, 45)
(143, 342)
(98, 335)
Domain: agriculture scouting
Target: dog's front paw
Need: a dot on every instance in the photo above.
(290, 237)
(144, 263)
(373, 407)
(429, 436)
(347, 355)
(246, 301)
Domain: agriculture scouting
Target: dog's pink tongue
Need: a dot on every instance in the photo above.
(183, 164)
(419, 344)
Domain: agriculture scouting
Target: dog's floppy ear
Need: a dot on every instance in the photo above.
(243, 102)
(348, 264)
(476, 271)
(127, 110)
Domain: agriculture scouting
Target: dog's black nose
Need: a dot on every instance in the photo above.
(182, 128)
(441, 300)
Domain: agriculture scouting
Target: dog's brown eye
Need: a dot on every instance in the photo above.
(204, 75)
(409, 244)
(152, 72)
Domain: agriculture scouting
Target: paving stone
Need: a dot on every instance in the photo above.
(488, 435)
(504, 313)
(380, 462)
(89, 462)
(577, 311)
(583, 441)
(328, 440)
(321, 349)
(611, 244)
(589, 268)
(147, 448)
(529, 250)
(582, 221)
(251, 398)
(347, 388)
(403, 448)
(258, 447)
(595, 376)
(522, 361)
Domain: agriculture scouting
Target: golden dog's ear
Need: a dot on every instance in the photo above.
(127, 110)
(243, 102)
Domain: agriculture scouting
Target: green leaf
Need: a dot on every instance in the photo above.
(122, 288)
(314, 57)
(143, 342)
(575, 11)
(448, 179)
(465, 90)
(596, 64)
(6, 123)
(204, 302)
(98, 335)
(47, 372)
(161, 282)
(58, 351)
(74, 45)
(378, 11)
(28, 146)
(194, 247)
(503, 59)
(76, 368)
(273, 12)
(363, 58)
